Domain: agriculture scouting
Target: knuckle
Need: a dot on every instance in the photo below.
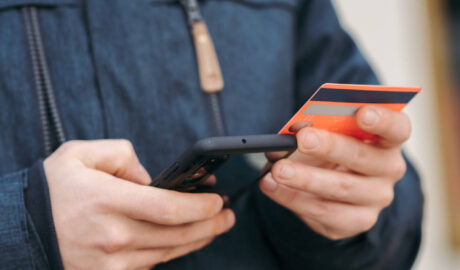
(163, 255)
(100, 204)
(309, 181)
(219, 201)
(335, 236)
(183, 237)
(386, 196)
(116, 238)
(69, 147)
(318, 210)
(292, 201)
(329, 145)
(216, 227)
(167, 213)
(208, 241)
(367, 222)
(342, 190)
(399, 168)
(407, 130)
(358, 156)
(126, 147)
(219, 226)
(208, 208)
(199, 245)
(166, 258)
(115, 263)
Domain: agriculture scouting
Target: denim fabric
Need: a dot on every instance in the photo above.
(14, 242)
(126, 69)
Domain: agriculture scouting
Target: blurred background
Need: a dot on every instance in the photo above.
(417, 42)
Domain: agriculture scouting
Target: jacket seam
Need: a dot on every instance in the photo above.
(24, 224)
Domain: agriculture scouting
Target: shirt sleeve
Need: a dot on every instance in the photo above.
(326, 53)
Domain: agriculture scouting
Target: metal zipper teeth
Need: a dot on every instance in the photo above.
(216, 111)
(42, 78)
(49, 90)
(193, 13)
(38, 85)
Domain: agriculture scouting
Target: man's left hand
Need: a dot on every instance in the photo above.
(336, 184)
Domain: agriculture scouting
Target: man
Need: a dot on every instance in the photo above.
(93, 70)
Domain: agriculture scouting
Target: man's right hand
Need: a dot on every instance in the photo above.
(107, 217)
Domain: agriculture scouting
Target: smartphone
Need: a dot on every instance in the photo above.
(197, 163)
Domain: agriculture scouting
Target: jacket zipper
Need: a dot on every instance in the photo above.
(211, 79)
(215, 109)
(52, 128)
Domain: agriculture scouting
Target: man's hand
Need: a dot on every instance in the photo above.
(336, 184)
(107, 217)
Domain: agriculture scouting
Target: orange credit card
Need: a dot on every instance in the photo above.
(333, 107)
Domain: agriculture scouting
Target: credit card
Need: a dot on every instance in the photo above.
(333, 107)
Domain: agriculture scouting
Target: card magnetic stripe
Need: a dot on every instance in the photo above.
(362, 96)
(331, 110)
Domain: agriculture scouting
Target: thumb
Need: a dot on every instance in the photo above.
(116, 157)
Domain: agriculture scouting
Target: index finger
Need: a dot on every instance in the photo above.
(166, 207)
(350, 152)
(394, 128)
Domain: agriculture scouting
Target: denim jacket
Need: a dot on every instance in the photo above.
(127, 69)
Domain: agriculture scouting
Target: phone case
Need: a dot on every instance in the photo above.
(207, 155)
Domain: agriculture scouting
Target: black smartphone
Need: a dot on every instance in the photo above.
(197, 163)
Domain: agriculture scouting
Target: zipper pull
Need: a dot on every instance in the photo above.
(208, 65)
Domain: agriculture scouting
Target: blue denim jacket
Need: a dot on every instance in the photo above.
(126, 69)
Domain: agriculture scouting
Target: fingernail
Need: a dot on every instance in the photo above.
(268, 184)
(370, 117)
(286, 171)
(310, 141)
